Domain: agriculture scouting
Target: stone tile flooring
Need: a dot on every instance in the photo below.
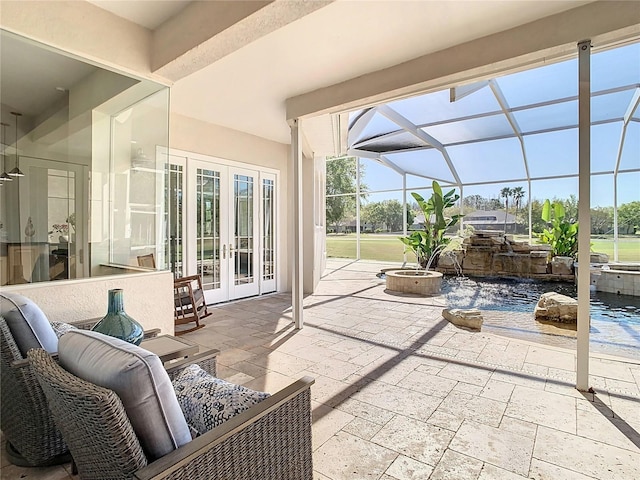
(402, 394)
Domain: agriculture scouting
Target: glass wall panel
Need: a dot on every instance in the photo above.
(86, 138)
(138, 195)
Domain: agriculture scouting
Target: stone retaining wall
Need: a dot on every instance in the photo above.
(490, 253)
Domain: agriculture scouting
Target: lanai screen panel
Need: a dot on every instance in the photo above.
(424, 163)
(605, 139)
(496, 160)
(376, 126)
(631, 150)
(479, 137)
(552, 153)
(435, 108)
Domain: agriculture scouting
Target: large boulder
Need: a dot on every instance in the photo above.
(562, 265)
(464, 318)
(556, 307)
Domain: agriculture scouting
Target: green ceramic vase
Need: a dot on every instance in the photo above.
(117, 323)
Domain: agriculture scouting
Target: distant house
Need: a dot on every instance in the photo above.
(490, 220)
(480, 220)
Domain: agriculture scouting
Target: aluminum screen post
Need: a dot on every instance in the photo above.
(296, 258)
(584, 212)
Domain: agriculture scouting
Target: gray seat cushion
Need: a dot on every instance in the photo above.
(28, 324)
(138, 377)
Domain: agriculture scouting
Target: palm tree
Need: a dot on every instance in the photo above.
(518, 195)
(506, 192)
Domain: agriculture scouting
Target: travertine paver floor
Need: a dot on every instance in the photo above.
(402, 394)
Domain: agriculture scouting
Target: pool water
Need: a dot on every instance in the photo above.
(521, 295)
(507, 306)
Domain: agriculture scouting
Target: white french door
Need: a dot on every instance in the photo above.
(228, 228)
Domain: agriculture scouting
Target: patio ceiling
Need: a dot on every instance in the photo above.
(511, 127)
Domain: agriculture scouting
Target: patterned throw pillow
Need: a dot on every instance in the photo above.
(60, 328)
(207, 401)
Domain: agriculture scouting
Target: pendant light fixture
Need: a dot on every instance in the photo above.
(4, 177)
(16, 170)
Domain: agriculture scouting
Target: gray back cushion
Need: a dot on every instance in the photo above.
(138, 377)
(29, 326)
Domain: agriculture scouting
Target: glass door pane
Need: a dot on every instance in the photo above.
(208, 228)
(174, 208)
(268, 236)
(244, 241)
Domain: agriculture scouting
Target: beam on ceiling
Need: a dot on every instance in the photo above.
(543, 40)
(205, 32)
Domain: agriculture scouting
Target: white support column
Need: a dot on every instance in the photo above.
(357, 208)
(297, 258)
(584, 212)
(615, 216)
(530, 214)
(461, 208)
(404, 213)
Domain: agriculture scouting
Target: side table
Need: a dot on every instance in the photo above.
(177, 353)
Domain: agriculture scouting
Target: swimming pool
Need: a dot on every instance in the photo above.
(521, 295)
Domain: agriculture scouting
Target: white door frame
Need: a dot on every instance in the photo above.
(190, 160)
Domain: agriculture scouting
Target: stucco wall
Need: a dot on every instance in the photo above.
(148, 297)
(196, 136)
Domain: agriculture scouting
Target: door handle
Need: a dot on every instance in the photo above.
(230, 249)
(224, 251)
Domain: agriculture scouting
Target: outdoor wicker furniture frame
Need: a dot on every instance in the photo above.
(27, 424)
(269, 441)
(25, 419)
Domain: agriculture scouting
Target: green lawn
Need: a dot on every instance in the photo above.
(387, 248)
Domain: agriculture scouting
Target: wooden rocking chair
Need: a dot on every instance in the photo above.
(189, 302)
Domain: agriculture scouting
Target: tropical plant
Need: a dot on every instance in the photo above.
(426, 244)
(561, 234)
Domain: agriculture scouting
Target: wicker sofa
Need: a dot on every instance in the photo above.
(270, 441)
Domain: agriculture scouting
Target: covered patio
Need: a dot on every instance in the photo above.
(402, 394)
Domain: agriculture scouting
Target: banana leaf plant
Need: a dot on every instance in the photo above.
(561, 234)
(426, 244)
